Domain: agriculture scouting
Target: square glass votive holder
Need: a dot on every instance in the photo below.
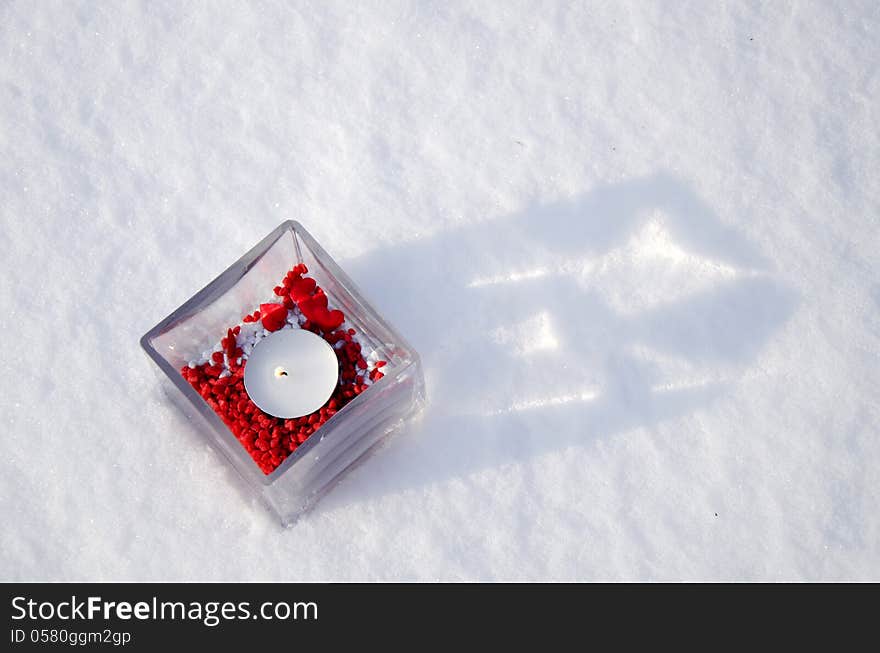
(348, 436)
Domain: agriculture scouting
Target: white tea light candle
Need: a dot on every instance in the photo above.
(291, 373)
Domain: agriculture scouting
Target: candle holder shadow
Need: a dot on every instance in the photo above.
(349, 435)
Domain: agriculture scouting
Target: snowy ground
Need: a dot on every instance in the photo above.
(636, 246)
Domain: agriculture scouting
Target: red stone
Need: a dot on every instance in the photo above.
(274, 316)
(302, 288)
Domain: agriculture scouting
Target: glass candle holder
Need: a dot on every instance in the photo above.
(346, 436)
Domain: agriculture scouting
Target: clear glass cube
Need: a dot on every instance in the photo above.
(349, 435)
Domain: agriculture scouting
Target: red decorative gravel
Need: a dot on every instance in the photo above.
(220, 381)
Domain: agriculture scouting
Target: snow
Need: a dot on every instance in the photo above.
(636, 245)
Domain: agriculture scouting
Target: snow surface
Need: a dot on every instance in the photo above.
(636, 245)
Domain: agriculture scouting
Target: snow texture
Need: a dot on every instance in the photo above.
(636, 245)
